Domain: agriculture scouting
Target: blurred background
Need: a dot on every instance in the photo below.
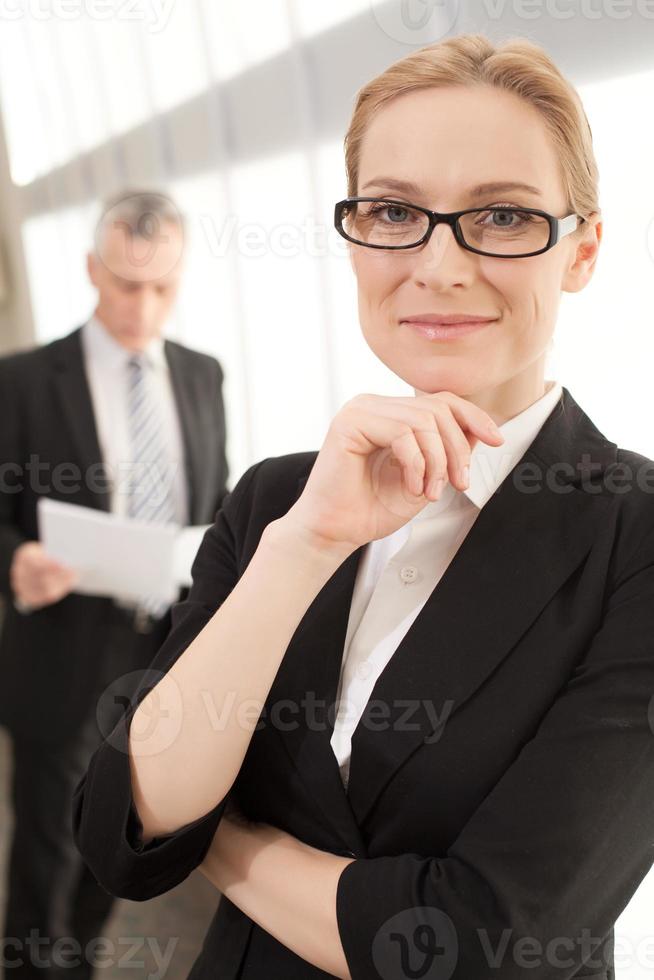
(238, 109)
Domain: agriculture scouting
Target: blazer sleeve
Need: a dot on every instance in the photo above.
(106, 826)
(560, 844)
(12, 473)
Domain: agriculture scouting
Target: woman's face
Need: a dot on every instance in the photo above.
(444, 142)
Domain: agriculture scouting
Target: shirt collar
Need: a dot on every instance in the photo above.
(99, 343)
(489, 465)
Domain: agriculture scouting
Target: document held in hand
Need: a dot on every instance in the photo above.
(118, 556)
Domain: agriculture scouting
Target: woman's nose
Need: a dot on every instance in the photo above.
(442, 261)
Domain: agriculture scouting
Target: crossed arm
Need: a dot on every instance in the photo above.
(285, 886)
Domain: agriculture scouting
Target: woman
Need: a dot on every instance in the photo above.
(481, 805)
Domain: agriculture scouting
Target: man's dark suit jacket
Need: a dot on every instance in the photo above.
(525, 818)
(49, 659)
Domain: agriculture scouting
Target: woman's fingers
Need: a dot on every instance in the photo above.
(413, 438)
(374, 430)
(469, 416)
(407, 450)
(457, 446)
(433, 449)
(446, 451)
(445, 429)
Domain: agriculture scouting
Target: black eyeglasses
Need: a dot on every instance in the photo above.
(501, 232)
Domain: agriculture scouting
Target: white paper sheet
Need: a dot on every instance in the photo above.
(187, 543)
(118, 556)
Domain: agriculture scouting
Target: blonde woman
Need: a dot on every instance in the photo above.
(404, 726)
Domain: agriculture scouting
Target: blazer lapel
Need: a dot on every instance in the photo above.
(189, 415)
(521, 548)
(307, 680)
(74, 394)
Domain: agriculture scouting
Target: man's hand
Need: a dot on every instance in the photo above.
(38, 580)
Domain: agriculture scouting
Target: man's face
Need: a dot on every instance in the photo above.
(137, 280)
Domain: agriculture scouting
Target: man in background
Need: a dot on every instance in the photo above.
(111, 399)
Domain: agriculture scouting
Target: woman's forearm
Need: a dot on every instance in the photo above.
(190, 734)
(285, 886)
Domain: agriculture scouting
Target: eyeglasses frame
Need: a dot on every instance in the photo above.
(559, 227)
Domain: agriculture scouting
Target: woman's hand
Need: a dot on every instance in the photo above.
(235, 843)
(284, 885)
(220, 862)
(380, 463)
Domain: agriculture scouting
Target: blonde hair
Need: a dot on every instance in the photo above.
(517, 66)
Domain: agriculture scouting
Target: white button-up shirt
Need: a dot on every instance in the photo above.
(105, 361)
(397, 573)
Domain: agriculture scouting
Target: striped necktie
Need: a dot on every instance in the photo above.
(150, 490)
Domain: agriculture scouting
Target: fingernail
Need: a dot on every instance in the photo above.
(465, 474)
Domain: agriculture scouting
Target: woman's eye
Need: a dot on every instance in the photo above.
(504, 217)
(391, 212)
(397, 214)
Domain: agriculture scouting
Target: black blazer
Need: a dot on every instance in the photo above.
(50, 662)
(526, 817)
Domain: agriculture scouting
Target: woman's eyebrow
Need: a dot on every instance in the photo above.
(480, 190)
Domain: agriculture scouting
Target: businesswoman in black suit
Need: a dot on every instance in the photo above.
(494, 815)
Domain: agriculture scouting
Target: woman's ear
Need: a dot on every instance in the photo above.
(584, 256)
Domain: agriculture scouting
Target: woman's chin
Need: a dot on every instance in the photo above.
(430, 382)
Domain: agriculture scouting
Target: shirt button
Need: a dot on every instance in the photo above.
(364, 669)
(409, 573)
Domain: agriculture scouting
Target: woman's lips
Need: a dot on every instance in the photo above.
(445, 331)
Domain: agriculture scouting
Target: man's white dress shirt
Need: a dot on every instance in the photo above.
(397, 573)
(106, 368)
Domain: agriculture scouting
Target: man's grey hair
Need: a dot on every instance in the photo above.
(141, 213)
